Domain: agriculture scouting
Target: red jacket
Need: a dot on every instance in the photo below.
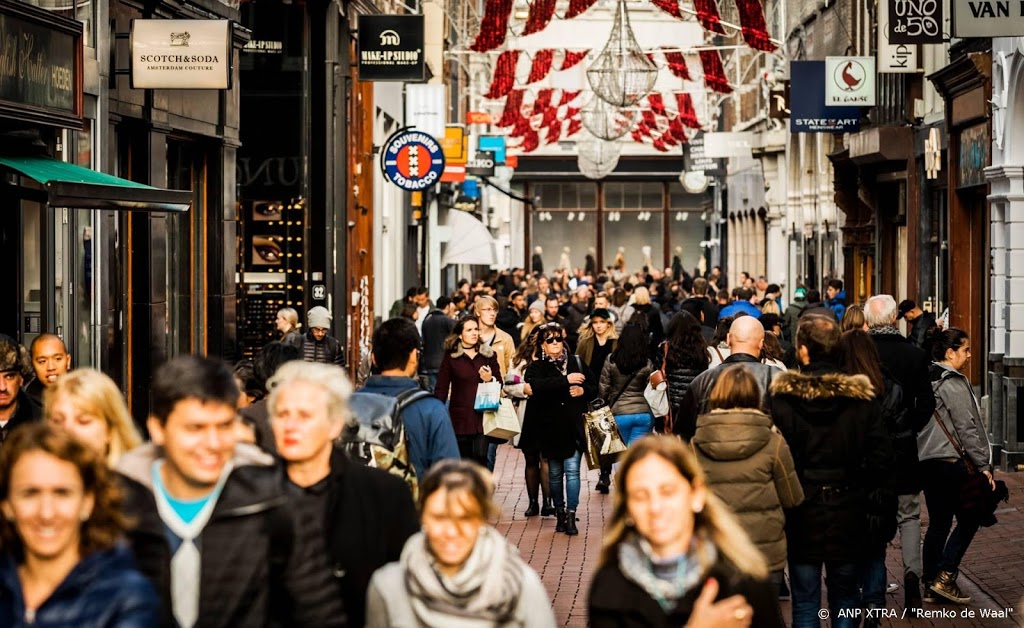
(457, 380)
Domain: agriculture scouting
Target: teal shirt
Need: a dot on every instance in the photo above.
(185, 509)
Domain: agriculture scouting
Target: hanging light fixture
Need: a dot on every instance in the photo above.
(622, 74)
(597, 159)
(606, 121)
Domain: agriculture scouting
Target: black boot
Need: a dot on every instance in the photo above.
(548, 509)
(533, 510)
(560, 525)
(911, 591)
(570, 523)
(603, 482)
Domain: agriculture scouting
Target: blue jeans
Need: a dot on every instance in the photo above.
(492, 456)
(872, 581)
(843, 592)
(570, 467)
(634, 426)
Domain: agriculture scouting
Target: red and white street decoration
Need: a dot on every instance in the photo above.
(714, 71)
(494, 26)
(541, 12)
(507, 73)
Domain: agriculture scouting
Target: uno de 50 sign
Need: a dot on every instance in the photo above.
(988, 18)
(391, 47)
(915, 21)
(412, 160)
(181, 54)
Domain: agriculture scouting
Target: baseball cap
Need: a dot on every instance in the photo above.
(905, 306)
(601, 313)
(800, 293)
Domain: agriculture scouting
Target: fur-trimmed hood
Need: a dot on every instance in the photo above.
(484, 350)
(826, 386)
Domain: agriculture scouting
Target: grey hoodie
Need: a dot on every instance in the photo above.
(958, 409)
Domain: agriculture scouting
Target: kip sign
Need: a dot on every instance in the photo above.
(850, 81)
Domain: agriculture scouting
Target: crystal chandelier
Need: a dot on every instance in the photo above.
(622, 74)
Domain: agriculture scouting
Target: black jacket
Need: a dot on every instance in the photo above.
(817, 309)
(696, 396)
(709, 309)
(509, 321)
(617, 602)
(841, 450)
(370, 515)
(27, 411)
(679, 377)
(437, 326)
(655, 330)
(247, 575)
(553, 423)
(908, 365)
(326, 351)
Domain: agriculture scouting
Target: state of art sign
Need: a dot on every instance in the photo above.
(391, 48)
(181, 54)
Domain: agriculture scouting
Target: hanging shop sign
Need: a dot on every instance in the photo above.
(455, 144)
(412, 160)
(391, 48)
(850, 81)
(40, 66)
(425, 108)
(723, 145)
(478, 117)
(914, 21)
(496, 144)
(893, 58)
(181, 54)
(988, 18)
(808, 113)
(778, 103)
(482, 165)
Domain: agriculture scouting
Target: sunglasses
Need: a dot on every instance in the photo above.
(552, 340)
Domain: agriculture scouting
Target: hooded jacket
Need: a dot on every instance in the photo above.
(957, 407)
(625, 391)
(104, 589)
(748, 466)
(247, 575)
(837, 304)
(457, 380)
(841, 450)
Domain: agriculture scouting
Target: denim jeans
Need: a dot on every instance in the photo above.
(843, 592)
(634, 426)
(944, 551)
(872, 581)
(570, 468)
(492, 456)
(908, 518)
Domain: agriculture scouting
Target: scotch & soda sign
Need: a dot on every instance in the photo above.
(181, 54)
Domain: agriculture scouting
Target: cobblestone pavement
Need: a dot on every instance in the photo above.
(992, 572)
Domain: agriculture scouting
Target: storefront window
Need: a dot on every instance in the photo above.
(563, 237)
(633, 225)
(686, 227)
(82, 10)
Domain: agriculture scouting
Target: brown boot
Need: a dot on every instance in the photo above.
(945, 586)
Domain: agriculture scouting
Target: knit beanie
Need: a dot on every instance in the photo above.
(319, 317)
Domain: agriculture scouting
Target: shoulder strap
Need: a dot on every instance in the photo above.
(664, 357)
(720, 358)
(408, 397)
(622, 389)
(971, 468)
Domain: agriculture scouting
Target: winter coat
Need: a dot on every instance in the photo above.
(370, 515)
(457, 380)
(818, 309)
(437, 326)
(504, 349)
(104, 590)
(748, 466)
(428, 428)
(26, 412)
(908, 365)
(708, 308)
(251, 532)
(617, 602)
(740, 306)
(921, 330)
(575, 314)
(510, 321)
(695, 400)
(553, 422)
(837, 304)
(791, 318)
(326, 351)
(957, 407)
(625, 391)
(585, 348)
(841, 450)
(679, 379)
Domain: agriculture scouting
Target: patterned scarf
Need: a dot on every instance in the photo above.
(561, 361)
(885, 330)
(640, 567)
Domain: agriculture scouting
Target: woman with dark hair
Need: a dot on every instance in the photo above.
(623, 380)
(944, 473)
(685, 355)
(749, 465)
(459, 571)
(718, 347)
(466, 364)
(536, 471)
(62, 562)
(562, 386)
(673, 554)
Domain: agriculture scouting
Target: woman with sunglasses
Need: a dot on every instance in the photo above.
(466, 364)
(562, 385)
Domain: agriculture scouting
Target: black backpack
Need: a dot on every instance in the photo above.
(379, 438)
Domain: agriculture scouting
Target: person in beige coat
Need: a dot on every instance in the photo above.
(748, 464)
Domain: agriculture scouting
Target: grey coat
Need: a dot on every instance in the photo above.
(958, 409)
(631, 400)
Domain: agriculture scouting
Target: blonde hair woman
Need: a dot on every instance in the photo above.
(673, 554)
(89, 406)
(642, 304)
(288, 324)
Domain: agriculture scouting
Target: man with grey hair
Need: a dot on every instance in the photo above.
(16, 407)
(352, 519)
(906, 364)
(746, 340)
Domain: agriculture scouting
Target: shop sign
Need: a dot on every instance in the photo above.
(425, 108)
(478, 117)
(850, 81)
(181, 54)
(974, 155)
(412, 160)
(695, 159)
(893, 58)
(778, 103)
(494, 143)
(914, 21)
(482, 165)
(724, 145)
(988, 18)
(453, 173)
(455, 145)
(809, 114)
(40, 65)
(391, 48)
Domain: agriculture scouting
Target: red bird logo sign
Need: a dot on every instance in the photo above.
(849, 81)
(851, 76)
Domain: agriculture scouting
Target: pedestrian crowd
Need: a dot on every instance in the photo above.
(758, 446)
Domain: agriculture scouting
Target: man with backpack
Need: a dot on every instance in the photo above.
(907, 364)
(428, 428)
(353, 519)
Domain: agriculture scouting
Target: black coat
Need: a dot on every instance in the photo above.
(679, 378)
(26, 412)
(553, 423)
(908, 365)
(655, 330)
(617, 602)
(697, 395)
(370, 515)
(841, 450)
(510, 321)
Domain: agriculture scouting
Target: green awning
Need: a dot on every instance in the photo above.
(68, 185)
